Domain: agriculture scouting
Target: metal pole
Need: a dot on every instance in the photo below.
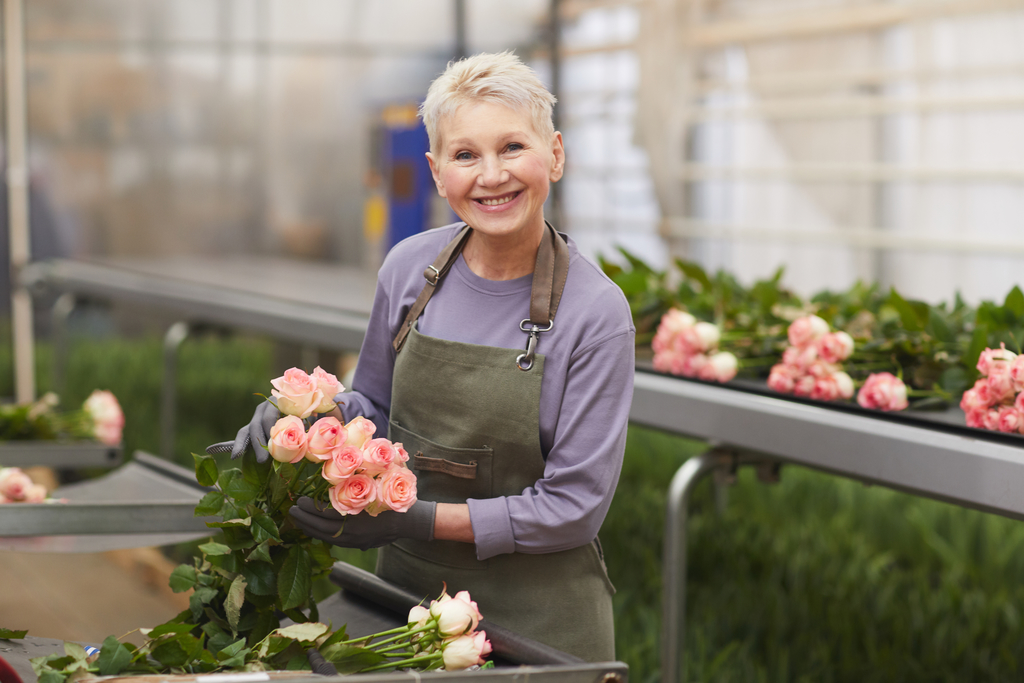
(175, 335)
(59, 314)
(461, 49)
(555, 50)
(17, 200)
(673, 612)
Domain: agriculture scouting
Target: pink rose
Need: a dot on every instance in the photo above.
(663, 360)
(995, 360)
(804, 386)
(707, 336)
(288, 442)
(297, 393)
(835, 347)
(36, 493)
(976, 418)
(723, 366)
(396, 489)
(342, 464)
(464, 651)
(692, 366)
(1000, 385)
(107, 416)
(662, 340)
(329, 386)
(360, 430)
(418, 616)
(401, 455)
(14, 484)
(972, 400)
(1017, 372)
(883, 391)
(990, 419)
(782, 378)
(821, 369)
(1018, 403)
(686, 342)
(799, 357)
(825, 389)
(806, 330)
(844, 383)
(352, 495)
(455, 616)
(325, 436)
(378, 454)
(675, 321)
(1009, 420)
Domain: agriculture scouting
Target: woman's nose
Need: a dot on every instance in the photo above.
(492, 172)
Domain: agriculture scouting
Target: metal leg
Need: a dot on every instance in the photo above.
(673, 611)
(176, 334)
(59, 315)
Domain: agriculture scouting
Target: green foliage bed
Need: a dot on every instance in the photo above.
(812, 579)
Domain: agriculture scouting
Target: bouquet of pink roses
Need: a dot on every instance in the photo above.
(684, 346)
(357, 472)
(811, 365)
(996, 401)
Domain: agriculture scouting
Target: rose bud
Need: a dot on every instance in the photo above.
(329, 386)
(296, 393)
(354, 494)
(288, 441)
(724, 366)
(360, 430)
(396, 489)
(325, 436)
(465, 651)
(707, 335)
(835, 347)
(807, 329)
(418, 616)
(342, 464)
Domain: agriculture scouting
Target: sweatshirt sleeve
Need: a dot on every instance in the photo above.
(565, 509)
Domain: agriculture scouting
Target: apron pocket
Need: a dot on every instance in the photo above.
(445, 474)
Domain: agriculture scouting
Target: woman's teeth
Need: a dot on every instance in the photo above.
(495, 202)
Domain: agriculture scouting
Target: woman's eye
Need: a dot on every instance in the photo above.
(463, 156)
(514, 147)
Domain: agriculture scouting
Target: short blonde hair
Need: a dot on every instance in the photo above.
(501, 78)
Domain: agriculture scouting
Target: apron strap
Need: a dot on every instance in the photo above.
(433, 275)
(549, 275)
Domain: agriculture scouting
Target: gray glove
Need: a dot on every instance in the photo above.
(257, 432)
(320, 520)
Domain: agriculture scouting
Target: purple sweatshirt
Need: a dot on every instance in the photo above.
(585, 394)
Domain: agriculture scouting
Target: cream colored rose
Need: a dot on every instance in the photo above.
(288, 442)
(107, 416)
(296, 393)
(360, 430)
(329, 386)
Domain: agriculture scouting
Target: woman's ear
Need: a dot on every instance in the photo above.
(558, 157)
(436, 172)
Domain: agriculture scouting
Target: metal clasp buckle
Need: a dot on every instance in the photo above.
(525, 360)
(437, 276)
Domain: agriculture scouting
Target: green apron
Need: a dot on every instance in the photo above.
(469, 417)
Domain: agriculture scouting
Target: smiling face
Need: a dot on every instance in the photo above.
(495, 169)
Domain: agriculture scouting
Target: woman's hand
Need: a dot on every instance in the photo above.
(257, 432)
(320, 520)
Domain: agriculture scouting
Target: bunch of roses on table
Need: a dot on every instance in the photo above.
(683, 346)
(996, 401)
(447, 628)
(360, 473)
(811, 364)
(17, 487)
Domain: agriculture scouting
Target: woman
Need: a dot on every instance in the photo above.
(515, 421)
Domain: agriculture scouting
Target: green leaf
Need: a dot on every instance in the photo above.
(114, 657)
(260, 553)
(233, 602)
(11, 634)
(256, 472)
(176, 651)
(230, 523)
(263, 526)
(234, 654)
(349, 660)
(183, 578)
(242, 491)
(265, 623)
(321, 556)
(213, 549)
(635, 261)
(199, 598)
(75, 651)
(304, 633)
(49, 676)
(260, 577)
(913, 315)
(293, 583)
(1015, 302)
(210, 505)
(164, 629)
(631, 282)
(938, 326)
(695, 272)
(206, 469)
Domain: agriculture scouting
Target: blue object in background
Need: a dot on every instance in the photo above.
(410, 187)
